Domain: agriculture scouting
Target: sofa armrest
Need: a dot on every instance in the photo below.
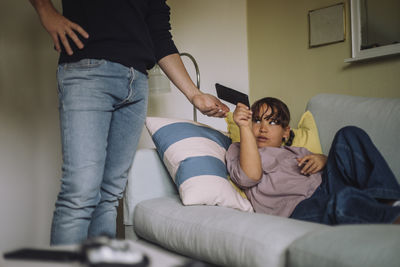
(147, 179)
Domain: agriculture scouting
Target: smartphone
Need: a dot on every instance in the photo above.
(44, 255)
(230, 95)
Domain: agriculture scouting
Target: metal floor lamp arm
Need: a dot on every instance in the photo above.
(197, 79)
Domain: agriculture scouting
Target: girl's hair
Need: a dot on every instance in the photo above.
(279, 112)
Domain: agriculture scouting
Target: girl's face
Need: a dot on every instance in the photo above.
(267, 131)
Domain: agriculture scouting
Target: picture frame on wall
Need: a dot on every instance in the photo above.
(327, 25)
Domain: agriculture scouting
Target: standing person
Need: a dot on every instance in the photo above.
(105, 49)
(353, 184)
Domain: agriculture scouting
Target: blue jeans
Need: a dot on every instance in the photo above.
(356, 183)
(102, 109)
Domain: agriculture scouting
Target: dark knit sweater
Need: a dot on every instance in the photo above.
(135, 33)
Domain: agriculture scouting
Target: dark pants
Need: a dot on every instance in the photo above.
(356, 183)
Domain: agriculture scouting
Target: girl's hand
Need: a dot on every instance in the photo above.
(312, 163)
(242, 115)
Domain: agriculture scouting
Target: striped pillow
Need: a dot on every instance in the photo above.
(194, 155)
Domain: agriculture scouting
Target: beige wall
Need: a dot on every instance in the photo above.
(30, 153)
(282, 65)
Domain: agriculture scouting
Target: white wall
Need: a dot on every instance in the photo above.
(214, 32)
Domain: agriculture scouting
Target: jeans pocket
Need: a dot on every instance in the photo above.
(75, 73)
(84, 64)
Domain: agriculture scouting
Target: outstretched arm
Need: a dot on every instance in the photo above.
(249, 157)
(58, 26)
(209, 105)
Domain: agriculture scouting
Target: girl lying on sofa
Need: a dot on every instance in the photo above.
(354, 184)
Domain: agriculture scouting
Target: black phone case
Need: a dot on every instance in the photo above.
(230, 95)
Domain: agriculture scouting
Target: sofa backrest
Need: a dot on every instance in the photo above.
(379, 117)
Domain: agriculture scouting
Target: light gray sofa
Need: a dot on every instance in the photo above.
(228, 237)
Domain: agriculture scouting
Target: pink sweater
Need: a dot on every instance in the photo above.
(282, 186)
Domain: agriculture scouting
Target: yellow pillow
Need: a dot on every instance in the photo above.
(233, 129)
(306, 134)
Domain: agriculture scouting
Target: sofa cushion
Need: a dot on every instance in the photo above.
(305, 135)
(194, 155)
(219, 235)
(347, 245)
